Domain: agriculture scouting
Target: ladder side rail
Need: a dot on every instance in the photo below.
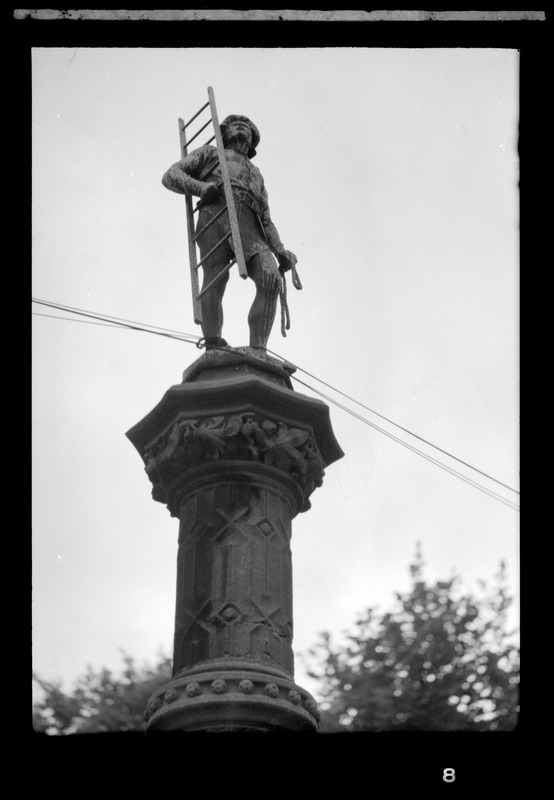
(196, 305)
(235, 231)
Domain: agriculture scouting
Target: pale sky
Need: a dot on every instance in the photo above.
(393, 176)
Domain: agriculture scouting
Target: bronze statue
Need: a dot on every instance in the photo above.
(199, 173)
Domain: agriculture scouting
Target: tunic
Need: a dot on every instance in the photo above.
(258, 233)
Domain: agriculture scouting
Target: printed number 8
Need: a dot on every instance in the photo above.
(449, 775)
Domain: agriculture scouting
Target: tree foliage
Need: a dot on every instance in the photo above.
(100, 701)
(441, 660)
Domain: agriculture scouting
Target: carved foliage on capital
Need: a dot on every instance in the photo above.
(241, 437)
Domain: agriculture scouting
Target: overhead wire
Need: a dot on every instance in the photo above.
(411, 433)
(112, 321)
(416, 450)
(122, 322)
(120, 325)
(72, 319)
(75, 310)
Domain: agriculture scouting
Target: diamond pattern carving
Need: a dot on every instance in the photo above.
(234, 592)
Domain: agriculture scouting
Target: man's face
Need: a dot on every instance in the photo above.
(238, 129)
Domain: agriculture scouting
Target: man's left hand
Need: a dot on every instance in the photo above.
(286, 259)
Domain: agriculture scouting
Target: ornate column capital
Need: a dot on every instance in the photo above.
(235, 407)
(248, 445)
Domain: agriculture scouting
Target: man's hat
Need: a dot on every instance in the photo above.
(255, 131)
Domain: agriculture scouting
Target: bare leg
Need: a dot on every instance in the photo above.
(264, 271)
(212, 301)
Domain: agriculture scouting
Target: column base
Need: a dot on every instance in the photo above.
(232, 697)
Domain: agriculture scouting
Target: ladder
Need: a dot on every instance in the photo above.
(229, 208)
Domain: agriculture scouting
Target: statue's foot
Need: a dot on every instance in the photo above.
(213, 342)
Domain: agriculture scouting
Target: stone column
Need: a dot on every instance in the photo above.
(235, 454)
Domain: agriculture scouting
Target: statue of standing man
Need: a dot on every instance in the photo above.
(199, 174)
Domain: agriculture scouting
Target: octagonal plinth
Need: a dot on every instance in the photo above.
(235, 453)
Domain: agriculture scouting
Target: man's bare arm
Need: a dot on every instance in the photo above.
(182, 178)
(285, 258)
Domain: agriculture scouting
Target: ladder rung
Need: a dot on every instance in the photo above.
(221, 241)
(196, 115)
(212, 220)
(209, 172)
(198, 206)
(198, 132)
(217, 277)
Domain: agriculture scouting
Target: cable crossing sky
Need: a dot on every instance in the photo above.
(111, 321)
